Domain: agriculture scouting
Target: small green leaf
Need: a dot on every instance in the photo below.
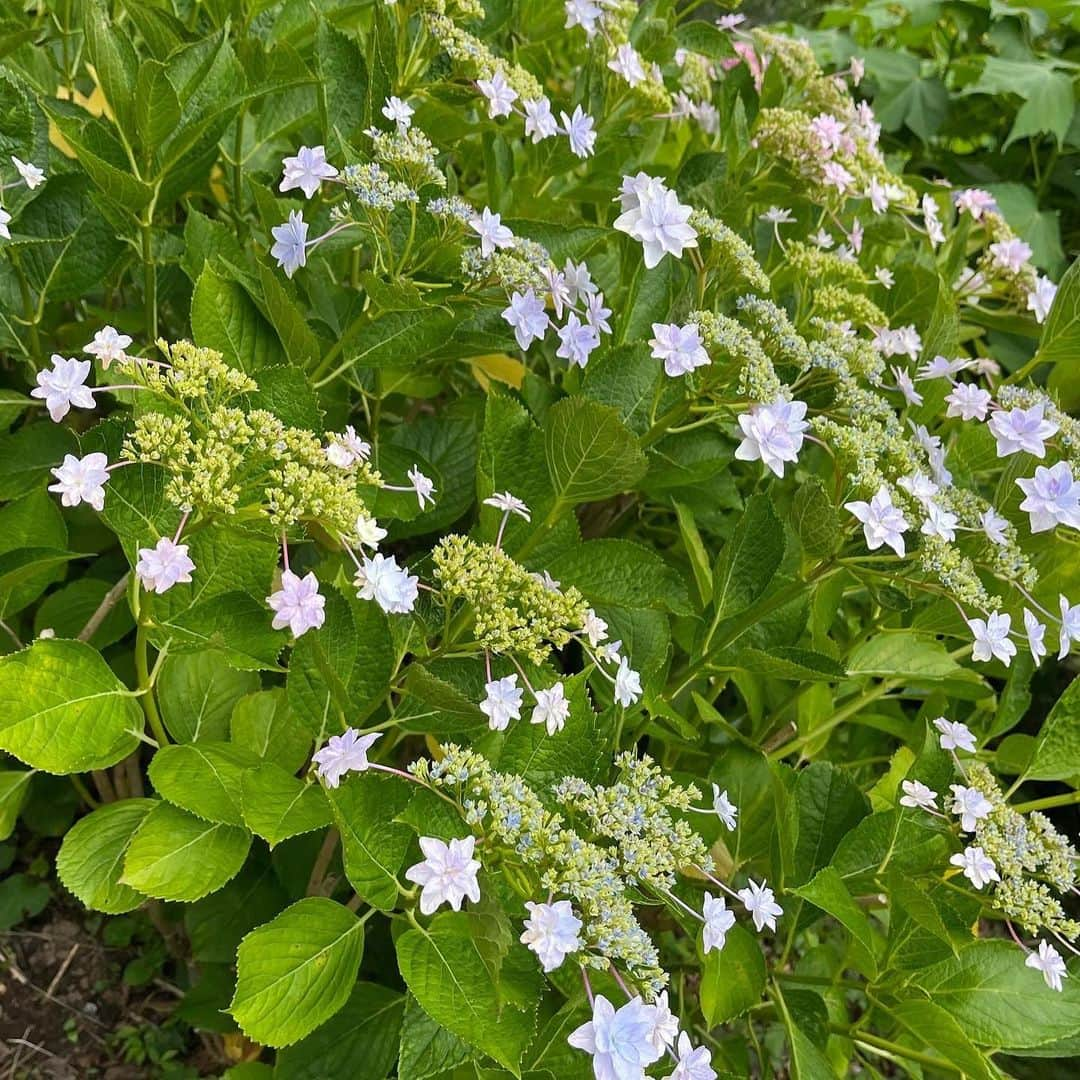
(91, 858)
(815, 519)
(297, 971)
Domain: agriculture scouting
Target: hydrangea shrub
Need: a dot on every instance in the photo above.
(541, 549)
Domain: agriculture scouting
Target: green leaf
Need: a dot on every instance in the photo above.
(815, 519)
(888, 840)
(625, 377)
(398, 337)
(447, 974)
(319, 671)
(1048, 95)
(704, 38)
(622, 573)
(157, 108)
(299, 340)
(63, 710)
(779, 662)
(224, 317)
(1057, 751)
(101, 155)
(91, 858)
(744, 773)
(827, 805)
(998, 1001)
(14, 787)
(203, 778)
(217, 923)
(915, 657)
(277, 805)
(808, 1059)
(1061, 332)
(264, 723)
(177, 856)
(732, 978)
(115, 62)
(197, 692)
(934, 1026)
(362, 1035)
(827, 891)
(373, 845)
(426, 1048)
(541, 761)
(750, 559)
(27, 455)
(907, 894)
(590, 453)
(297, 971)
(649, 297)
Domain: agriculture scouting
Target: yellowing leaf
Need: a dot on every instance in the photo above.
(500, 367)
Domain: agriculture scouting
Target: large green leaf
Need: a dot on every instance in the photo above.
(177, 856)
(998, 1001)
(1057, 748)
(590, 453)
(732, 978)
(63, 710)
(264, 723)
(297, 971)
(197, 692)
(359, 1041)
(749, 559)
(447, 973)
(277, 805)
(622, 573)
(426, 1048)
(203, 778)
(373, 845)
(225, 318)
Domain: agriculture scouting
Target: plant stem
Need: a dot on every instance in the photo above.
(146, 686)
(1068, 799)
(893, 1048)
(108, 602)
(146, 227)
(317, 881)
